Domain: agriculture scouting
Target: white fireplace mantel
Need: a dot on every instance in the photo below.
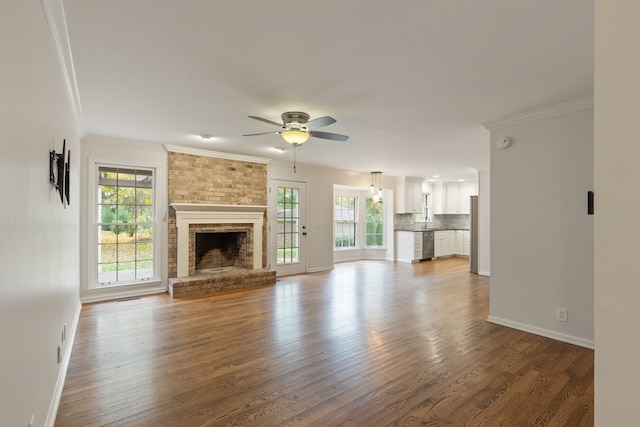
(188, 213)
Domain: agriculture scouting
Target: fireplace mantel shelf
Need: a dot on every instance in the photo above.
(200, 207)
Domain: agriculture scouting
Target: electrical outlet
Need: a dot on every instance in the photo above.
(562, 314)
(59, 354)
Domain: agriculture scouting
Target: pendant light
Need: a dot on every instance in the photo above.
(372, 189)
(377, 194)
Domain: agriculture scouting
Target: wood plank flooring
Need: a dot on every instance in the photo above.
(369, 343)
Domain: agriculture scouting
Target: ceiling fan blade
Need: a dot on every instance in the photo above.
(320, 122)
(261, 133)
(328, 135)
(267, 121)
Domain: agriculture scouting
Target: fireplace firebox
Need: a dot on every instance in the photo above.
(215, 251)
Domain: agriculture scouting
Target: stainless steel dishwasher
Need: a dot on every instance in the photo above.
(427, 245)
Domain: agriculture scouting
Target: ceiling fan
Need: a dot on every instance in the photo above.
(297, 128)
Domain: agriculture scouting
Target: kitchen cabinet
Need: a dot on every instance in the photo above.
(408, 246)
(437, 198)
(457, 198)
(442, 243)
(466, 243)
(465, 193)
(408, 196)
(453, 200)
(457, 238)
(460, 242)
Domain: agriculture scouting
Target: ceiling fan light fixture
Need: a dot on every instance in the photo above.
(295, 136)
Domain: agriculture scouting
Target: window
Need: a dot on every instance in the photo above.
(423, 216)
(359, 221)
(345, 224)
(125, 225)
(374, 214)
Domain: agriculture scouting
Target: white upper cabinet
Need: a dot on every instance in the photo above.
(408, 195)
(466, 191)
(453, 200)
(457, 198)
(437, 198)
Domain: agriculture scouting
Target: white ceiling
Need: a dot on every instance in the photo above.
(409, 81)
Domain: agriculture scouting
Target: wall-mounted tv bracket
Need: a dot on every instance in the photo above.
(59, 171)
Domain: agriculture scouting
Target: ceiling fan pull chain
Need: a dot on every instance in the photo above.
(294, 158)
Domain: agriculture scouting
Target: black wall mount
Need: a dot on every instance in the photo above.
(59, 171)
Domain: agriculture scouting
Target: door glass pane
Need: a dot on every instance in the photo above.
(288, 230)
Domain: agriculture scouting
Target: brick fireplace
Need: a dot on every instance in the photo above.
(218, 198)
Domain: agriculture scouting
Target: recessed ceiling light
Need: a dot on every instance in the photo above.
(436, 176)
(460, 180)
(280, 149)
(206, 137)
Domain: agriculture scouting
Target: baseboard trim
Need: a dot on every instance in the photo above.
(62, 373)
(319, 269)
(570, 339)
(107, 294)
(484, 273)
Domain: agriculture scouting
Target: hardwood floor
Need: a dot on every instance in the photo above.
(367, 344)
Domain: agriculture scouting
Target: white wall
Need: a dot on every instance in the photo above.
(39, 244)
(320, 182)
(541, 235)
(484, 222)
(122, 152)
(617, 212)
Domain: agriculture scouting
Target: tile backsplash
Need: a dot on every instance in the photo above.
(407, 221)
(453, 221)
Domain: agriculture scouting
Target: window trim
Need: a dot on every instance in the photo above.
(384, 224)
(99, 223)
(361, 241)
(426, 211)
(356, 220)
(134, 287)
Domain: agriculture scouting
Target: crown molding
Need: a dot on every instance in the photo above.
(56, 20)
(541, 113)
(216, 154)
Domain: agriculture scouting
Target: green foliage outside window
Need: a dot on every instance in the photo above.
(374, 213)
(288, 232)
(345, 224)
(125, 225)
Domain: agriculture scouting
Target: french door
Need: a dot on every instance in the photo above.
(287, 227)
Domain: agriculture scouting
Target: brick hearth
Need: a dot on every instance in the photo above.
(206, 284)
